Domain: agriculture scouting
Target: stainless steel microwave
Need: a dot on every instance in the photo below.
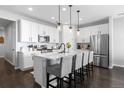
(43, 39)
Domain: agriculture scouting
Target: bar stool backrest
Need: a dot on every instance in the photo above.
(78, 63)
(66, 65)
(91, 56)
(85, 60)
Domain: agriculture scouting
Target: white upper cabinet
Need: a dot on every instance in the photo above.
(54, 35)
(28, 31)
(49, 31)
(34, 32)
(41, 30)
(24, 31)
(86, 32)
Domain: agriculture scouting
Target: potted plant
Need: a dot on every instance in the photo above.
(68, 45)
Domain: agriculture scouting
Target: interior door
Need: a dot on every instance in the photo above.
(10, 43)
(13, 29)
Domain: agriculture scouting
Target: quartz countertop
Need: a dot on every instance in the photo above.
(55, 55)
(51, 55)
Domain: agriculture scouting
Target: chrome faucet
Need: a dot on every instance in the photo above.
(61, 46)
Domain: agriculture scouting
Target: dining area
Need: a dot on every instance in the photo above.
(63, 70)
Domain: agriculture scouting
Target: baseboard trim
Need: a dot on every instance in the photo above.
(25, 69)
(8, 61)
(118, 65)
(111, 67)
(17, 68)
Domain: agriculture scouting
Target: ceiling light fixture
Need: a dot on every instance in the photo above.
(78, 22)
(70, 6)
(66, 23)
(64, 9)
(52, 18)
(30, 9)
(80, 19)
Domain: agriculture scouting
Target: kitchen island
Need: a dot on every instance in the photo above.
(42, 60)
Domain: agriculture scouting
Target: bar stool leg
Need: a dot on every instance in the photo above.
(75, 79)
(61, 82)
(82, 73)
(87, 72)
(47, 80)
(92, 67)
(58, 82)
(70, 79)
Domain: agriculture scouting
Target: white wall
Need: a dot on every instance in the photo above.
(118, 44)
(2, 52)
(68, 36)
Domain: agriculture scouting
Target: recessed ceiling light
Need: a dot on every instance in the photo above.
(53, 18)
(30, 9)
(64, 9)
(66, 22)
(80, 19)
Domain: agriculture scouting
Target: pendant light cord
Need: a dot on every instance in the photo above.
(78, 19)
(59, 14)
(70, 16)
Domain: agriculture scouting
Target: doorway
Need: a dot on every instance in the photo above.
(8, 46)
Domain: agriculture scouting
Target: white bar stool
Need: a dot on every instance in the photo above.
(60, 71)
(77, 66)
(90, 62)
(85, 63)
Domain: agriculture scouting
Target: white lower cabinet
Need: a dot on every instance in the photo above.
(25, 61)
(28, 62)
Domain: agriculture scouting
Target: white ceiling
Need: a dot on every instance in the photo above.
(88, 13)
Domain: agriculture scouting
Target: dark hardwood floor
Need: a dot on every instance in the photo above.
(102, 78)
(11, 78)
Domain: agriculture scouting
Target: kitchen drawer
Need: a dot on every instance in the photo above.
(25, 61)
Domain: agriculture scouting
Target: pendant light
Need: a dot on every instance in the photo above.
(58, 23)
(70, 27)
(78, 11)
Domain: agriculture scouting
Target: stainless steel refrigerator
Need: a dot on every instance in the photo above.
(100, 45)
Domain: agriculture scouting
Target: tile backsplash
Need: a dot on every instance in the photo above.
(22, 46)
